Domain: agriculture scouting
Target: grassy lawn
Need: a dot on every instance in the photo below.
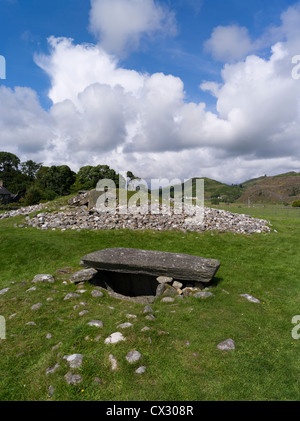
(182, 360)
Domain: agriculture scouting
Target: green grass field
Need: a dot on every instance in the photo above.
(182, 360)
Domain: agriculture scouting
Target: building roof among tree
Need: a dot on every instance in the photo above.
(4, 191)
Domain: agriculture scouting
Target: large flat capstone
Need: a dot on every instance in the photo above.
(155, 263)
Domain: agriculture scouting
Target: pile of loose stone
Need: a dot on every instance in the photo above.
(80, 218)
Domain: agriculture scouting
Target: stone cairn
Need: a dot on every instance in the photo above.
(78, 215)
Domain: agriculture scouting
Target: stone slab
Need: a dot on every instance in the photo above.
(155, 263)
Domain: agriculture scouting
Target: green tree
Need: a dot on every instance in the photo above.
(57, 179)
(30, 168)
(88, 176)
(11, 175)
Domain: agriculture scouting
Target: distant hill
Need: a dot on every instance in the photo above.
(281, 188)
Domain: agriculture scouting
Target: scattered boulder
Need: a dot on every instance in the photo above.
(51, 370)
(74, 360)
(96, 323)
(4, 291)
(114, 338)
(36, 306)
(133, 356)
(140, 370)
(167, 300)
(203, 294)
(97, 293)
(43, 278)
(250, 298)
(73, 379)
(83, 275)
(125, 325)
(71, 295)
(113, 361)
(227, 345)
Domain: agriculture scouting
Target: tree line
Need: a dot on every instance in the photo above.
(34, 182)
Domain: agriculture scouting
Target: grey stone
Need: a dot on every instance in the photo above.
(167, 300)
(177, 285)
(71, 295)
(113, 361)
(4, 291)
(227, 345)
(83, 275)
(74, 360)
(97, 293)
(133, 356)
(73, 379)
(43, 278)
(36, 306)
(96, 323)
(83, 312)
(170, 291)
(150, 317)
(160, 289)
(188, 291)
(48, 336)
(114, 338)
(250, 298)
(154, 263)
(51, 390)
(148, 309)
(203, 294)
(125, 325)
(164, 279)
(140, 370)
(51, 370)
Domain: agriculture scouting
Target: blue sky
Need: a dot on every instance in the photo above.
(166, 50)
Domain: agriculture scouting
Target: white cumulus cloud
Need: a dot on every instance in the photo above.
(120, 24)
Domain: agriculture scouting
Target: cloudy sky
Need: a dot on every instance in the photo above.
(164, 88)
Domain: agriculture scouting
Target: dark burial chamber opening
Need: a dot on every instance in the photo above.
(128, 284)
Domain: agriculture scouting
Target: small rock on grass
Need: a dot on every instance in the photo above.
(227, 345)
(125, 325)
(114, 338)
(73, 379)
(113, 361)
(71, 295)
(250, 298)
(36, 306)
(4, 291)
(167, 300)
(96, 323)
(75, 360)
(43, 278)
(133, 356)
(51, 370)
(97, 293)
(141, 370)
(203, 294)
